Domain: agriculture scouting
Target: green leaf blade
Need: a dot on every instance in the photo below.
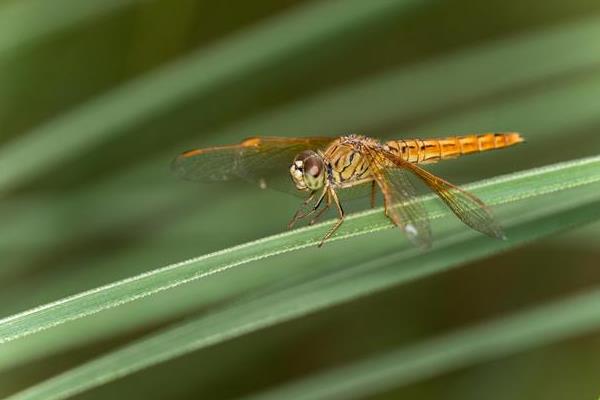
(557, 198)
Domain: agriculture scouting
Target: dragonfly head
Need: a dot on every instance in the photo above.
(308, 171)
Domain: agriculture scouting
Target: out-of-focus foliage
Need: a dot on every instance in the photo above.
(97, 97)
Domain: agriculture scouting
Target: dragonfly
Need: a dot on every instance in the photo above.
(325, 169)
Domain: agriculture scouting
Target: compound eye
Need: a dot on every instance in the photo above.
(313, 166)
(303, 156)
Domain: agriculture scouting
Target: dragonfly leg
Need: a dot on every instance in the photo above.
(327, 205)
(385, 207)
(373, 193)
(340, 220)
(301, 213)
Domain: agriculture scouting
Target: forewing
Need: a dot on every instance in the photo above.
(261, 160)
(400, 197)
(468, 207)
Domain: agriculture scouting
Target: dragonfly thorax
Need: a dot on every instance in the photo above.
(308, 171)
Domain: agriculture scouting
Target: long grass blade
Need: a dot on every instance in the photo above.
(516, 188)
(302, 298)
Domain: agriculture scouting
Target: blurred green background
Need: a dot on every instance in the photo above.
(97, 97)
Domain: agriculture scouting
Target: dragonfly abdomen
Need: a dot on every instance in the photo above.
(422, 151)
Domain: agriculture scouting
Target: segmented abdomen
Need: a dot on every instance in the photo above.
(432, 150)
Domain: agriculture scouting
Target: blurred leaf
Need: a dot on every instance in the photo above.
(25, 21)
(568, 106)
(144, 98)
(538, 197)
(86, 199)
(543, 325)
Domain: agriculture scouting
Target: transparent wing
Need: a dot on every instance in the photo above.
(467, 207)
(261, 160)
(400, 198)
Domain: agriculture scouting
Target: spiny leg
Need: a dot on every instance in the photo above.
(327, 205)
(385, 206)
(373, 193)
(339, 222)
(303, 214)
(298, 215)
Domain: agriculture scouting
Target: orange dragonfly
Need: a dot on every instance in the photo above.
(324, 168)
